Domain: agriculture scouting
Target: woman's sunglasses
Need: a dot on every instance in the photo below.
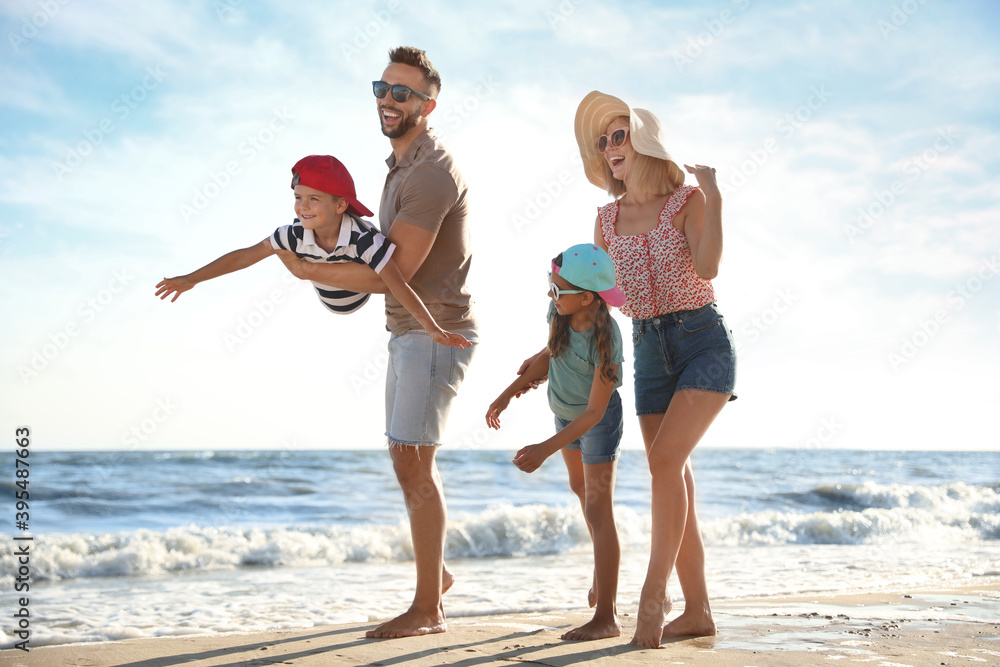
(399, 93)
(616, 139)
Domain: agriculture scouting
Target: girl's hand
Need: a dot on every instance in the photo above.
(706, 179)
(493, 414)
(450, 339)
(175, 286)
(535, 384)
(529, 458)
(298, 267)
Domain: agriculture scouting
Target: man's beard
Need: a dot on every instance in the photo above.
(406, 123)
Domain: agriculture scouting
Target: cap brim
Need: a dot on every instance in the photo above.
(357, 208)
(614, 297)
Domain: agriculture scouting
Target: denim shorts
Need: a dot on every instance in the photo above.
(422, 380)
(687, 349)
(601, 443)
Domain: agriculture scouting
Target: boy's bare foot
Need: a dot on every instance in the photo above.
(595, 629)
(410, 624)
(649, 622)
(691, 623)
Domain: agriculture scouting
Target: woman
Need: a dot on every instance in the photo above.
(666, 241)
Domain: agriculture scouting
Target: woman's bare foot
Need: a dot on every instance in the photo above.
(649, 620)
(592, 593)
(595, 629)
(410, 624)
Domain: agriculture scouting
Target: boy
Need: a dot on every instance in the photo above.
(328, 229)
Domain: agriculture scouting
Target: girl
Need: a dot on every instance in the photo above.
(582, 362)
(666, 241)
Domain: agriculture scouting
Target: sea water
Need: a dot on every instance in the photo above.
(142, 544)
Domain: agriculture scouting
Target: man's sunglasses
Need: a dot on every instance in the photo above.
(616, 139)
(399, 93)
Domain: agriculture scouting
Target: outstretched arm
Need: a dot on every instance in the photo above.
(531, 457)
(404, 293)
(537, 370)
(232, 261)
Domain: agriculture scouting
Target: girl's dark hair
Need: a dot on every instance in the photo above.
(602, 341)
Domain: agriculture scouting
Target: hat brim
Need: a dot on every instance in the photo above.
(595, 112)
(592, 117)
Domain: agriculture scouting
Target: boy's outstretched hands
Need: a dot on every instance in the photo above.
(451, 339)
(175, 286)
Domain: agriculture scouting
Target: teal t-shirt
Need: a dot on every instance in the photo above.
(571, 374)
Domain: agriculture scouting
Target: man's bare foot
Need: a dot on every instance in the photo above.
(690, 624)
(595, 629)
(649, 622)
(411, 624)
(447, 579)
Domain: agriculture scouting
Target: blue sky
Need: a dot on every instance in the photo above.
(857, 144)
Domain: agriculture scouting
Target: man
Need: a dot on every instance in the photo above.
(424, 211)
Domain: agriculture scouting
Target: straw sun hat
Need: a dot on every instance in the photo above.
(592, 117)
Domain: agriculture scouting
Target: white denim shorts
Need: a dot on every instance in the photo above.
(421, 383)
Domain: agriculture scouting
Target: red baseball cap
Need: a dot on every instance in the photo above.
(327, 174)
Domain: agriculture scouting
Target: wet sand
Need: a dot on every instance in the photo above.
(954, 626)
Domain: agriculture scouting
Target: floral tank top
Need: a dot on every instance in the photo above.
(655, 270)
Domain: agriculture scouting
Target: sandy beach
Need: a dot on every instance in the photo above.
(954, 626)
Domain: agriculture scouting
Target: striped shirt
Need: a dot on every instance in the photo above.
(359, 242)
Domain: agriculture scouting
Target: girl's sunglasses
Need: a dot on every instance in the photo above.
(557, 291)
(399, 93)
(616, 139)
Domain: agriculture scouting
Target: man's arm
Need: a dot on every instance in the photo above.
(400, 289)
(413, 244)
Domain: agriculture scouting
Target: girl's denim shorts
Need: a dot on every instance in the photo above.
(600, 444)
(687, 349)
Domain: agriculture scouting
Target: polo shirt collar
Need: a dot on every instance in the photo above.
(410, 155)
(310, 246)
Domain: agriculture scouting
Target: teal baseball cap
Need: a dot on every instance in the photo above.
(587, 266)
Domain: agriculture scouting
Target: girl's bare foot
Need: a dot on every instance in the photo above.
(447, 579)
(595, 629)
(693, 622)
